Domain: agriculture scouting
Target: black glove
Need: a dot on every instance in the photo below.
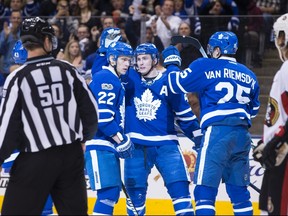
(258, 152)
(276, 149)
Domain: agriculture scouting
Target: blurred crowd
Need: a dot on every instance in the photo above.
(78, 25)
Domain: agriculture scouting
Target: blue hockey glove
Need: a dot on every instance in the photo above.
(197, 29)
(108, 36)
(125, 148)
(233, 24)
(171, 55)
(19, 53)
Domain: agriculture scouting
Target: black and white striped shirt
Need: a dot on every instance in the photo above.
(45, 103)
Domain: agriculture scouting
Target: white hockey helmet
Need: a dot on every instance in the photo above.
(281, 25)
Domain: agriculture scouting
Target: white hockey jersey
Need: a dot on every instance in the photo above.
(277, 108)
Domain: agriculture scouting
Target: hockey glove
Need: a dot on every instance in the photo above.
(171, 56)
(276, 150)
(125, 148)
(197, 29)
(233, 24)
(108, 36)
(258, 152)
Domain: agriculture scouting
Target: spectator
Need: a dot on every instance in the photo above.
(86, 14)
(187, 11)
(188, 52)
(117, 10)
(218, 15)
(269, 8)
(283, 7)
(48, 7)
(179, 10)
(167, 24)
(133, 28)
(88, 45)
(60, 42)
(253, 27)
(107, 22)
(27, 8)
(8, 37)
(73, 55)
(63, 19)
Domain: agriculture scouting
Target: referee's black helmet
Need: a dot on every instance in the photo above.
(34, 30)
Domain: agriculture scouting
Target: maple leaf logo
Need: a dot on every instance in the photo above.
(146, 108)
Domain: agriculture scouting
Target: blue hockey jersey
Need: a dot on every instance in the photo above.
(225, 88)
(100, 60)
(110, 95)
(152, 109)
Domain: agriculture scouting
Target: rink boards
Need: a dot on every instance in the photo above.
(158, 200)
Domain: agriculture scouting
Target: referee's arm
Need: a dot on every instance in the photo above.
(88, 109)
(10, 121)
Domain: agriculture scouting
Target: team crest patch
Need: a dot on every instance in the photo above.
(146, 107)
(106, 86)
(272, 113)
(190, 159)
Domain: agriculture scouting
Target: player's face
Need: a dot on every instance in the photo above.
(123, 64)
(144, 63)
(281, 45)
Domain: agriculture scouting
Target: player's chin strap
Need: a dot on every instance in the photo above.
(115, 68)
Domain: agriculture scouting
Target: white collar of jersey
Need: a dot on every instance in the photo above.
(228, 58)
(156, 78)
(110, 69)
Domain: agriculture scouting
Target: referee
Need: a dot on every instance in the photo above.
(47, 111)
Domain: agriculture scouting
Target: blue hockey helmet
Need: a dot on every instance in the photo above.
(147, 48)
(225, 40)
(19, 53)
(108, 36)
(34, 30)
(117, 49)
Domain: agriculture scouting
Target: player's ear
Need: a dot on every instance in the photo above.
(216, 53)
(112, 60)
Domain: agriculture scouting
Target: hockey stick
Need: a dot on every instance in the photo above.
(254, 187)
(129, 201)
(195, 42)
(189, 40)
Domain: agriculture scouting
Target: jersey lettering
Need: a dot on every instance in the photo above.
(230, 92)
(51, 94)
(164, 90)
(105, 98)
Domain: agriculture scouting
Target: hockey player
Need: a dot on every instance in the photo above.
(228, 93)
(110, 142)
(272, 151)
(152, 109)
(108, 36)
